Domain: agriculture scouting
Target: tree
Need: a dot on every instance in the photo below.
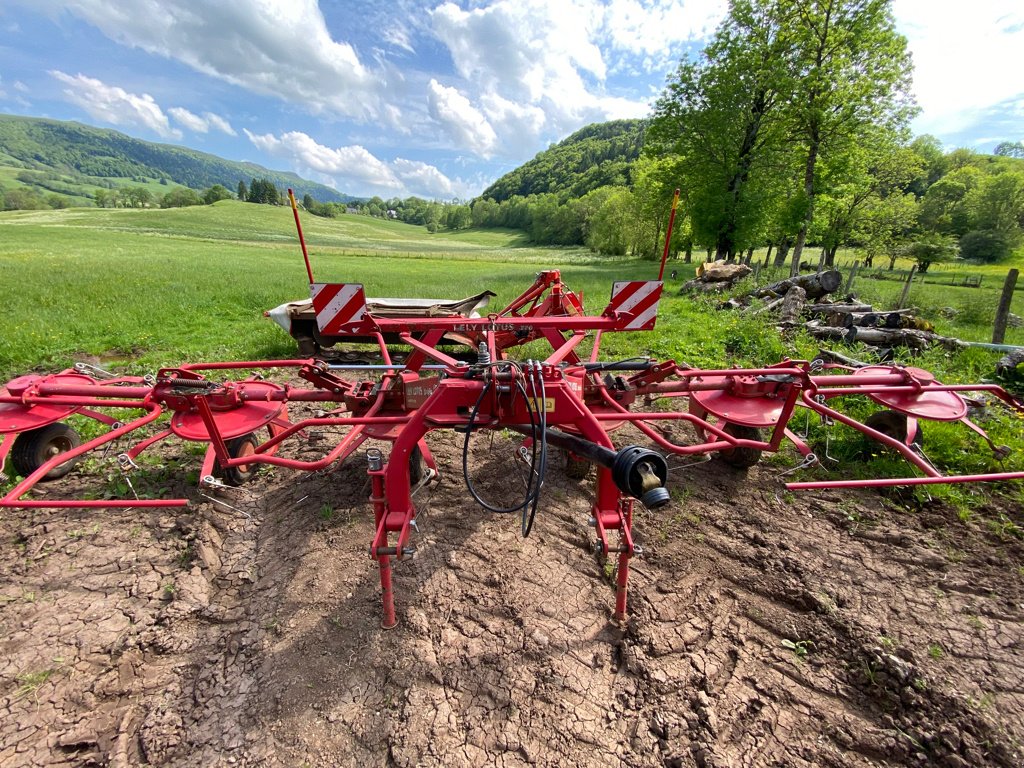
(243, 191)
(136, 197)
(23, 199)
(608, 226)
(930, 248)
(997, 203)
(849, 70)
(985, 245)
(263, 191)
(933, 164)
(719, 116)
(100, 197)
(943, 208)
(180, 197)
(215, 193)
(1010, 149)
(872, 171)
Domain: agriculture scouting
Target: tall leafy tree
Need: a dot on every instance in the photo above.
(719, 114)
(849, 72)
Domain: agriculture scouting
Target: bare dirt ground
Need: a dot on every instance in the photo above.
(766, 629)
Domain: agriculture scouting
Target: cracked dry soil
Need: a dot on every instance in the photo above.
(819, 630)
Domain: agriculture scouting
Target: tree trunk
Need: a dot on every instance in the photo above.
(801, 238)
(768, 256)
(780, 257)
(688, 253)
(792, 305)
(879, 337)
(830, 256)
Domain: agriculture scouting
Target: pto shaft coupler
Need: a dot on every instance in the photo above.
(639, 472)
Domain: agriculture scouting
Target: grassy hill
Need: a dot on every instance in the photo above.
(73, 159)
(599, 155)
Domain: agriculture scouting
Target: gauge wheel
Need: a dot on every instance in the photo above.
(741, 458)
(238, 448)
(893, 424)
(34, 448)
(417, 466)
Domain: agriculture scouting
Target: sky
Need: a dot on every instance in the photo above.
(433, 99)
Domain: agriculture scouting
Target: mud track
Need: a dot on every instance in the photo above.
(766, 629)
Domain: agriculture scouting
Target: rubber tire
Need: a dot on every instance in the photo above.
(34, 448)
(741, 458)
(577, 469)
(238, 447)
(892, 424)
(417, 467)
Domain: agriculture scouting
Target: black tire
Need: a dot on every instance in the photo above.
(417, 466)
(34, 448)
(576, 469)
(243, 473)
(893, 424)
(741, 458)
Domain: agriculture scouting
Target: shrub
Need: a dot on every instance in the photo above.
(985, 245)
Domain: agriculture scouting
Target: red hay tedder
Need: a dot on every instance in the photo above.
(564, 400)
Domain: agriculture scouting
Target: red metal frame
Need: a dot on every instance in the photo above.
(407, 402)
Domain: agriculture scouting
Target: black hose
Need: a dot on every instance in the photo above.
(533, 458)
(527, 519)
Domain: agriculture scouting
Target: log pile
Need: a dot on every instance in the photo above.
(844, 320)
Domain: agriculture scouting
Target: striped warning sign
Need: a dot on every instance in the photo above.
(339, 307)
(638, 299)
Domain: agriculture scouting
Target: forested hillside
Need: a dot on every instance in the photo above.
(599, 155)
(73, 159)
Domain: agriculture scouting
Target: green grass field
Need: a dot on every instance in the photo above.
(157, 287)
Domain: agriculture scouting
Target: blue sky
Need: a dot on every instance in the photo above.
(435, 99)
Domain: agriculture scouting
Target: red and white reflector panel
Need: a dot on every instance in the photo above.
(637, 301)
(340, 307)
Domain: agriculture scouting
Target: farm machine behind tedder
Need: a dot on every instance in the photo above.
(564, 400)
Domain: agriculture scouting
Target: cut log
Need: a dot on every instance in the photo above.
(831, 356)
(877, 337)
(847, 307)
(792, 305)
(720, 272)
(774, 304)
(816, 285)
(1010, 361)
(699, 286)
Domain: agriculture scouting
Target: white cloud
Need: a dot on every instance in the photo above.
(964, 60)
(219, 123)
(202, 124)
(355, 170)
(189, 120)
(655, 29)
(111, 104)
(464, 122)
(20, 86)
(537, 67)
(425, 179)
(279, 48)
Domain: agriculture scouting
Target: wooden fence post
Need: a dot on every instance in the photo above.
(853, 274)
(1003, 313)
(906, 287)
